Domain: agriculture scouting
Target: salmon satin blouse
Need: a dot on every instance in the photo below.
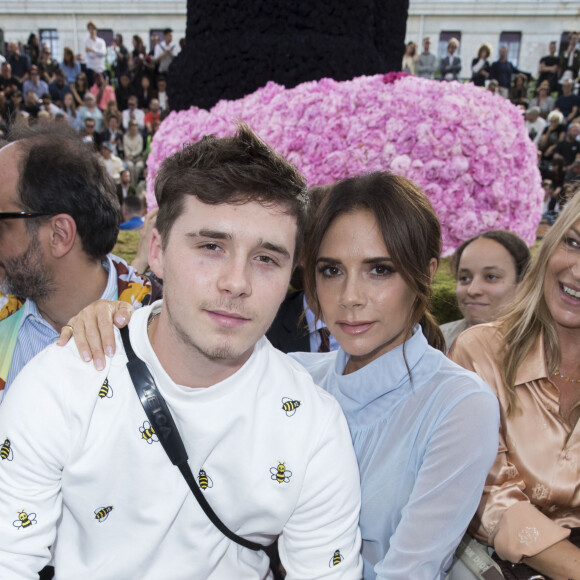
(532, 493)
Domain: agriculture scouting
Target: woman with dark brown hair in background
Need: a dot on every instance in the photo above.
(79, 88)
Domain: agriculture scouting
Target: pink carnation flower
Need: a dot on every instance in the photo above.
(466, 148)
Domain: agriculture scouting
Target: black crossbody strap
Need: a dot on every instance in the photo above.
(162, 422)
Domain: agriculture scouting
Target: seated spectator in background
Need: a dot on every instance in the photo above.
(543, 99)
(488, 269)
(113, 136)
(112, 163)
(133, 211)
(145, 93)
(132, 113)
(59, 88)
(112, 110)
(568, 103)
(31, 104)
(124, 91)
(450, 65)
(49, 106)
(165, 51)
(122, 56)
(502, 71)
(35, 83)
(152, 115)
(573, 173)
(19, 62)
(61, 117)
(557, 175)
(70, 109)
(32, 48)
(569, 147)
(133, 147)
(95, 52)
(493, 87)
(89, 133)
(535, 124)
(518, 94)
(410, 57)
(426, 63)
(554, 132)
(80, 89)
(162, 93)
(13, 106)
(70, 65)
(548, 68)
(47, 65)
(7, 80)
(102, 91)
(480, 66)
(43, 117)
(548, 188)
(570, 60)
(90, 109)
(125, 188)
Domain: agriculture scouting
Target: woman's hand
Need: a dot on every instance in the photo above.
(93, 332)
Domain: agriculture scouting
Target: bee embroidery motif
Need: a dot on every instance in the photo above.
(106, 390)
(289, 406)
(101, 514)
(148, 433)
(336, 559)
(280, 473)
(204, 479)
(24, 520)
(6, 450)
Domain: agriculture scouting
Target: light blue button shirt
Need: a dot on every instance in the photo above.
(35, 333)
(424, 449)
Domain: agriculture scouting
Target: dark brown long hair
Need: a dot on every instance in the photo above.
(410, 230)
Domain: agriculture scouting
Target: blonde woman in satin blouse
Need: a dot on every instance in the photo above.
(531, 358)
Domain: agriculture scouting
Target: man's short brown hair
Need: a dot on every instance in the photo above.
(229, 170)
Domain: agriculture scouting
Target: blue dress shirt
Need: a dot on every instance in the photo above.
(424, 446)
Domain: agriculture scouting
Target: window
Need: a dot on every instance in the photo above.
(49, 36)
(513, 41)
(158, 34)
(444, 38)
(106, 34)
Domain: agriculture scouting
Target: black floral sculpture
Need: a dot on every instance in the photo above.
(233, 48)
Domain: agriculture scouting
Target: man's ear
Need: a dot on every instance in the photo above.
(156, 254)
(63, 234)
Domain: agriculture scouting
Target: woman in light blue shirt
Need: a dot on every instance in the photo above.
(424, 430)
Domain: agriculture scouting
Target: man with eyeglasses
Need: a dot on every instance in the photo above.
(59, 219)
(35, 83)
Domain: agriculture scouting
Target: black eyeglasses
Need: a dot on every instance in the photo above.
(8, 215)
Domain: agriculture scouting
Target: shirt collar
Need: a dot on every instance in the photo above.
(533, 366)
(313, 323)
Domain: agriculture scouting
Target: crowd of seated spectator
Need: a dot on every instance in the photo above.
(116, 98)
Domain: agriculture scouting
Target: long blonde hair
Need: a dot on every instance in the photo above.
(529, 316)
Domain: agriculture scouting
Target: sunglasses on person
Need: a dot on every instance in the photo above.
(8, 215)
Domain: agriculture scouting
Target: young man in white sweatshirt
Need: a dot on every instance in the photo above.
(81, 469)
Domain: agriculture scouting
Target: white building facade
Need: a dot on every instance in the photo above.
(527, 26)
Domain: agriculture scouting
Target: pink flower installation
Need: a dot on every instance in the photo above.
(465, 147)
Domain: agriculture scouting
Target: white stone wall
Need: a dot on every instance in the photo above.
(539, 21)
